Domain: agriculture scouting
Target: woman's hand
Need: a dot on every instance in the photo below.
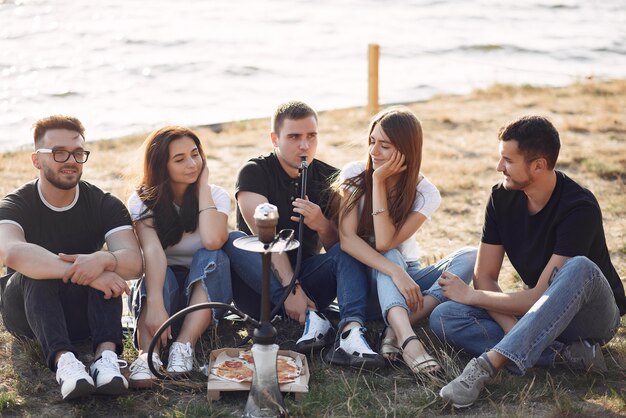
(156, 315)
(409, 289)
(392, 167)
(203, 179)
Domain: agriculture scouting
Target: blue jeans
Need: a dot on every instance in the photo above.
(212, 268)
(320, 277)
(362, 291)
(579, 304)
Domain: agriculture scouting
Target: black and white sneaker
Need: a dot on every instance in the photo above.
(74, 380)
(352, 350)
(318, 333)
(107, 376)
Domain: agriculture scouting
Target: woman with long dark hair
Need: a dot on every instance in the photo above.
(384, 202)
(181, 222)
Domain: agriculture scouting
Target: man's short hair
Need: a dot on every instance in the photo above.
(536, 138)
(56, 122)
(294, 110)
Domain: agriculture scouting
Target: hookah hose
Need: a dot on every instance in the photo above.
(304, 166)
(184, 312)
(230, 308)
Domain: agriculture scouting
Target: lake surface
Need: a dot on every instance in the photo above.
(127, 66)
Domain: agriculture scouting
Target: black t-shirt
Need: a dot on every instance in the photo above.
(265, 176)
(80, 228)
(569, 225)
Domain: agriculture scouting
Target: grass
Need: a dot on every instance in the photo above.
(460, 153)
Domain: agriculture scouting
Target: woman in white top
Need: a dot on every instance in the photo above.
(385, 200)
(181, 222)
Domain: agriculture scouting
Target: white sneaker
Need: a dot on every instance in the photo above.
(181, 358)
(318, 333)
(74, 380)
(107, 376)
(141, 377)
(353, 350)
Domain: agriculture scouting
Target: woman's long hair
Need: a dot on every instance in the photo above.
(405, 132)
(156, 192)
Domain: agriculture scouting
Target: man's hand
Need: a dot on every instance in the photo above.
(297, 305)
(454, 288)
(312, 213)
(409, 289)
(85, 267)
(156, 315)
(110, 284)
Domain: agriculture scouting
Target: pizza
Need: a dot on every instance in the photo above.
(233, 370)
(287, 369)
(247, 356)
(241, 369)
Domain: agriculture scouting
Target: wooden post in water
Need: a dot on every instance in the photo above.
(373, 54)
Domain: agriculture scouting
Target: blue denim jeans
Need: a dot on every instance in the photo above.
(318, 277)
(579, 304)
(366, 294)
(212, 268)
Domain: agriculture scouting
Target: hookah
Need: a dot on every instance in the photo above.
(264, 399)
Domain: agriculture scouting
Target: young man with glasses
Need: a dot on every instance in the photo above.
(61, 287)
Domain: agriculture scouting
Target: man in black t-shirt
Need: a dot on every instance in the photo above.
(551, 230)
(61, 286)
(276, 179)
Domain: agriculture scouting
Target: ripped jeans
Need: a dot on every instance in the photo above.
(212, 267)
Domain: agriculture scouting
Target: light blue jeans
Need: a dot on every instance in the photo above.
(212, 268)
(460, 263)
(579, 304)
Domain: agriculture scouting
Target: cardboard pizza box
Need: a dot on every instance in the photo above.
(216, 385)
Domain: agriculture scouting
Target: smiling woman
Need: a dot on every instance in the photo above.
(181, 222)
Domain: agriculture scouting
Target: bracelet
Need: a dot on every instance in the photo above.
(208, 207)
(116, 260)
(378, 211)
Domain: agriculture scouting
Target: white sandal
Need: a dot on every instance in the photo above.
(423, 363)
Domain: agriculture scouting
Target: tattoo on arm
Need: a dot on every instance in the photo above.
(551, 279)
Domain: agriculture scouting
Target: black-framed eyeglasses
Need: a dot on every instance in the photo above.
(61, 155)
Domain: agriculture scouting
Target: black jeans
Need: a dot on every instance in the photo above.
(57, 314)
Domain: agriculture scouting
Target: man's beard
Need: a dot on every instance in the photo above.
(54, 179)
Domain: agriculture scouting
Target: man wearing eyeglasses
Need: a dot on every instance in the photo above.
(61, 287)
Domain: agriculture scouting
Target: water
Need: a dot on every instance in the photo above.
(127, 66)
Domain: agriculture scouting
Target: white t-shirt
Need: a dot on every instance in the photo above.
(426, 202)
(182, 252)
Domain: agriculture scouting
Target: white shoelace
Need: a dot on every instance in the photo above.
(142, 365)
(71, 368)
(180, 353)
(112, 363)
